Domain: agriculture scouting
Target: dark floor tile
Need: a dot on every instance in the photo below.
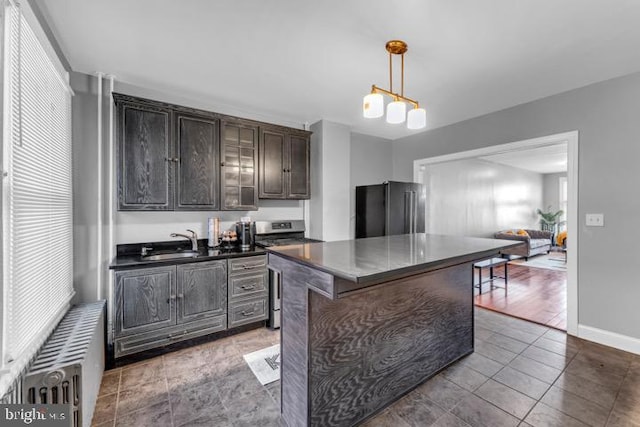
(477, 411)
(528, 327)
(507, 343)
(519, 335)
(253, 340)
(105, 409)
(482, 333)
(522, 382)
(252, 410)
(196, 402)
(464, 377)
(576, 407)
(214, 420)
(417, 410)
(621, 420)
(193, 357)
(482, 364)
(547, 357)
(274, 391)
(545, 416)
(155, 415)
(628, 404)
(450, 420)
(147, 394)
(587, 389)
(535, 369)
(556, 347)
(506, 398)
(387, 418)
(494, 352)
(186, 377)
(142, 373)
(238, 384)
(594, 372)
(604, 361)
(110, 382)
(443, 392)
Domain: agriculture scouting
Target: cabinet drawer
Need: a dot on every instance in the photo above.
(247, 311)
(248, 285)
(247, 264)
(165, 336)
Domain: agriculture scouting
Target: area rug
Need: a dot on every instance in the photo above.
(550, 261)
(265, 364)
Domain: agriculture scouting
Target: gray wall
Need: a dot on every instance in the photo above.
(606, 116)
(370, 164)
(473, 197)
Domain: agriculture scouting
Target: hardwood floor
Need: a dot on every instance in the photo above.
(535, 294)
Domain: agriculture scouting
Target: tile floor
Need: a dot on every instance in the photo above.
(521, 374)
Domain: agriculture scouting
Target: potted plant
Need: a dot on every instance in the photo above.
(549, 219)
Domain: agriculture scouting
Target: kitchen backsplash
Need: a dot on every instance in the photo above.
(136, 227)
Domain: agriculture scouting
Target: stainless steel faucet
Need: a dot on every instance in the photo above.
(193, 238)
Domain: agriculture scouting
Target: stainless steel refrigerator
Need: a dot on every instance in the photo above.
(390, 208)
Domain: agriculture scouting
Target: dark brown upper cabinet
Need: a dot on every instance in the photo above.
(239, 152)
(284, 164)
(196, 162)
(172, 157)
(167, 159)
(144, 157)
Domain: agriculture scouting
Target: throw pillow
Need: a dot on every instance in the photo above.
(508, 232)
(521, 232)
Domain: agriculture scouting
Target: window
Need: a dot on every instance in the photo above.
(37, 267)
(563, 202)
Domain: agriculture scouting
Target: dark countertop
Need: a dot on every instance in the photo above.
(388, 257)
(129, 255)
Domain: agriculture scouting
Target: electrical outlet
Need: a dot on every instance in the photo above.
(595, 220)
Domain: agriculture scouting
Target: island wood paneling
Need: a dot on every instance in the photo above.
(345, 359)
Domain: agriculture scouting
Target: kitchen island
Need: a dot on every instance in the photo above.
(365, 321)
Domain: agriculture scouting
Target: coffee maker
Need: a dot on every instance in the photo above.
(245, 229)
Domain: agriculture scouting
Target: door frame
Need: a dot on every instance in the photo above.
(572, 139)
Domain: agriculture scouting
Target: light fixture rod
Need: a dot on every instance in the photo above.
(402, 75)
(376, 89)
(390, 72)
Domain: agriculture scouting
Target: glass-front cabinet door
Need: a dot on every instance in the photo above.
(238, 167)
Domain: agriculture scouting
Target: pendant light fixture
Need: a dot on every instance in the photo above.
(373, 103)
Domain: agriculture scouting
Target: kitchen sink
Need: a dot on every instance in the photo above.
(171, 255)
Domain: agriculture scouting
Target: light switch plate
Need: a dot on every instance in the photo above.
(595, 220)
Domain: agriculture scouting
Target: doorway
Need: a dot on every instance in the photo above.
(571, 140)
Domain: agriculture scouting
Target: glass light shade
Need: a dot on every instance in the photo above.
(417, 118)
(373, 106)
(396, 112)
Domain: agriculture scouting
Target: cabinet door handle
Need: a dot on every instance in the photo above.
(248, 287)
(248, 313)
(249, 267)
(171, 297)
(221, 163)
(180, 296)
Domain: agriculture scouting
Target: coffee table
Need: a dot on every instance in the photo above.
(491, 264)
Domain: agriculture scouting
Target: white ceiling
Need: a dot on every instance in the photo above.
(301, 61)
(545, 159)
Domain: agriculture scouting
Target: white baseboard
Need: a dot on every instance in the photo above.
(611, 339)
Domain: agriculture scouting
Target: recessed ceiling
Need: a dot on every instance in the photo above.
(303, 61)
(545, 159)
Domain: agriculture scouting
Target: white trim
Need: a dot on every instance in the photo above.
(572, 188)
(611, 339)
(100, 194)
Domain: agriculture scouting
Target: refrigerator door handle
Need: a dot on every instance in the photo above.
(415, 212)
(411, 212)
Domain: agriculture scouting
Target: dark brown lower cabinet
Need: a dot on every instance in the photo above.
(162, 305)
(157, 306)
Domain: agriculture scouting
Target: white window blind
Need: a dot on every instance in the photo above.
(37, 193)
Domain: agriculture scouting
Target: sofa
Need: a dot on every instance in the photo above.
(535, 242)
